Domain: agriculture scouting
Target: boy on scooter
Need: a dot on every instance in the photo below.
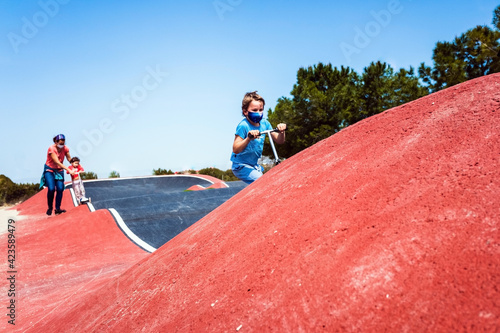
(248, 143)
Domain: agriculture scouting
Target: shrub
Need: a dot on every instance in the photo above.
(11, 193)
(88, 175)
(217, 173)
(114, 174)
(160, 171)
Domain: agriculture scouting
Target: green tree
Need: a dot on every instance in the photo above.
(217, 173)
(5, 189)
(407, 87)
(327, 99)
(11, 193)
(381, 89)
(214, 172)
(160, 171)
(496, 18)
(88, 175)
(229, 176)
(473, 54)
(324, 100)
(114, 174)
(375, 89)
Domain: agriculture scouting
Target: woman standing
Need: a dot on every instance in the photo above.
(54, 174)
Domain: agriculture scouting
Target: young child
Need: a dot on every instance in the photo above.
(248, 144)
(77, 180)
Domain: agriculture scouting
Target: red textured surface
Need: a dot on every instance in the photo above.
(217, 185)
(61, 258)
(213, 186)
(214, 180)
(196, 188)
(388, 225)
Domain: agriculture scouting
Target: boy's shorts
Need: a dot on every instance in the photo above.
(247, 173)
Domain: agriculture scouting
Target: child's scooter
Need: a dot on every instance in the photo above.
(268, 132)
(83, 199)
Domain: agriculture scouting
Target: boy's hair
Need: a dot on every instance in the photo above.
(74, 159)
(249, 97)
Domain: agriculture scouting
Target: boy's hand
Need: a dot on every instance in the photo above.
(281, 127)
(253, 134)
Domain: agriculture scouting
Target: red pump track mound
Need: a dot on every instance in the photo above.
(389, 225)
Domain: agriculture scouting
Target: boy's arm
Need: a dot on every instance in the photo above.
(279, 138)
(240, 144)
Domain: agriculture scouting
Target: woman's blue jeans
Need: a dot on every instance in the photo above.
(54, 185)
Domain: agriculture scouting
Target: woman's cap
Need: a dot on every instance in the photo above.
(59, 137)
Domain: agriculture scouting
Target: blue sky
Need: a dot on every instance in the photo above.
(141, 85)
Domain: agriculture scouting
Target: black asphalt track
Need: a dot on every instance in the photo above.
(157, 208)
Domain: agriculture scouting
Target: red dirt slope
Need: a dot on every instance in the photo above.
(61, 258)
(391, 224)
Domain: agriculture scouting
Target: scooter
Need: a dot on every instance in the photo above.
(268, 132)
(83, 199)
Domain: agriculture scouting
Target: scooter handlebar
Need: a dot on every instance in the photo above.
(264, 132)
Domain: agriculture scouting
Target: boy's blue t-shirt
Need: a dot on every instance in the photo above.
(252, 152)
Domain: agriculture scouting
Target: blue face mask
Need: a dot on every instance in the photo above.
(255, 117)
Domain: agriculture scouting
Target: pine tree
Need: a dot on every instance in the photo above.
(473, 54)
(324, 100)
